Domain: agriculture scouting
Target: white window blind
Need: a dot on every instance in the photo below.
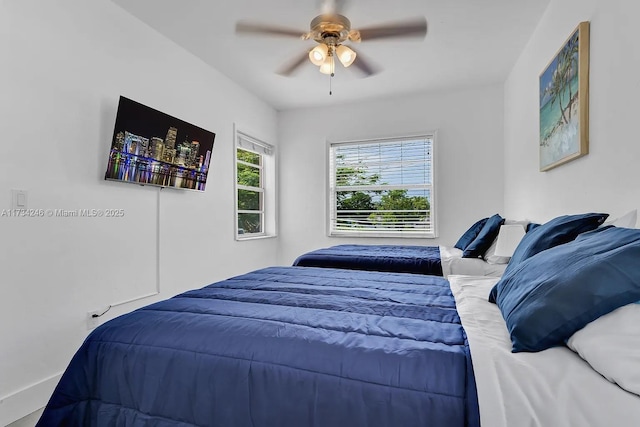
(382, 187)
(251, 144)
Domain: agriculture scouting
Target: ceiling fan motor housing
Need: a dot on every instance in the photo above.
(332, 29)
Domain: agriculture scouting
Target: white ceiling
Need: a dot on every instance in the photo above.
(468, 43)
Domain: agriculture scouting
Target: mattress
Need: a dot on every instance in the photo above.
(393, 258)
(554, 387)
(281, 346)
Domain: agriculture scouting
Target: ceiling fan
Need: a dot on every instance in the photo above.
(331, 30)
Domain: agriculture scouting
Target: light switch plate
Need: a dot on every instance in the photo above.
(19, 199)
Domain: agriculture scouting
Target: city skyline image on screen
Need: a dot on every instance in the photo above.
(150, 147)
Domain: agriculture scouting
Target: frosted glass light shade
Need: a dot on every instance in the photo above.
(328, 66)
(346, 55)
(318, 54)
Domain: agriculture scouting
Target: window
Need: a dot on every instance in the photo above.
(382, 187)
(255, 183)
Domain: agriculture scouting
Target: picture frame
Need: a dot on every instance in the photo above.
(564, 102)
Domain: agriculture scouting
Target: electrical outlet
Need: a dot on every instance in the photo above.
(93, 322)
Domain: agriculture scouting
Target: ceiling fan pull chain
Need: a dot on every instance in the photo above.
(330, 81)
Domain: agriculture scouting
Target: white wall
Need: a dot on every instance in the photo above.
(63, 66)
(606, 179)
(469, 155)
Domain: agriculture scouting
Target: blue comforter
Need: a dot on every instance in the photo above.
(282, 346)
(393, 258)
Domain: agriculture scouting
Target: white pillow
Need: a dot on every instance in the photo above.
(523, 222)
(490, 255)
(627, 220)
(611, 345)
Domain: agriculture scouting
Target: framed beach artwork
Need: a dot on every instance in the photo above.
(564, 102)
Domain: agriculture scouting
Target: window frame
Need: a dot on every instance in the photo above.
(265, 151)
(331, 191)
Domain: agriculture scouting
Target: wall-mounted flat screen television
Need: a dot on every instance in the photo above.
(153, 148)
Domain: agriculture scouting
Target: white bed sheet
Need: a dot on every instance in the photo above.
(551, 388)
(453, 263)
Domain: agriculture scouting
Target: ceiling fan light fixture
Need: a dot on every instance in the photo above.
(318, 54)
(346, 55)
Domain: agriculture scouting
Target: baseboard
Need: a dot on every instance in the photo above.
(29, 399)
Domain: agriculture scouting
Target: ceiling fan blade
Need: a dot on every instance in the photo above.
(365, 66)
(244, 27)
(293, 65)
(414, 28)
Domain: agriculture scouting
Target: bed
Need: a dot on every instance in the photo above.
(554, 387)
(392, 258)
(473, 254)
(432, 260)
(281, 346)
(554, 341)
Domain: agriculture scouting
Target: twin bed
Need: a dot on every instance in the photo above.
(323, 346)
(433, 260)
(282, 346)
(554, 387)
(393, 258)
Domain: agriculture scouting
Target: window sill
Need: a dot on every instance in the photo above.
(391, 235)
(241, 238)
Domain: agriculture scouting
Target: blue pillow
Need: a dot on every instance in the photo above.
(532, 225)
(556, 232)
(485, 238)
(470, 235)
(548, 297)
